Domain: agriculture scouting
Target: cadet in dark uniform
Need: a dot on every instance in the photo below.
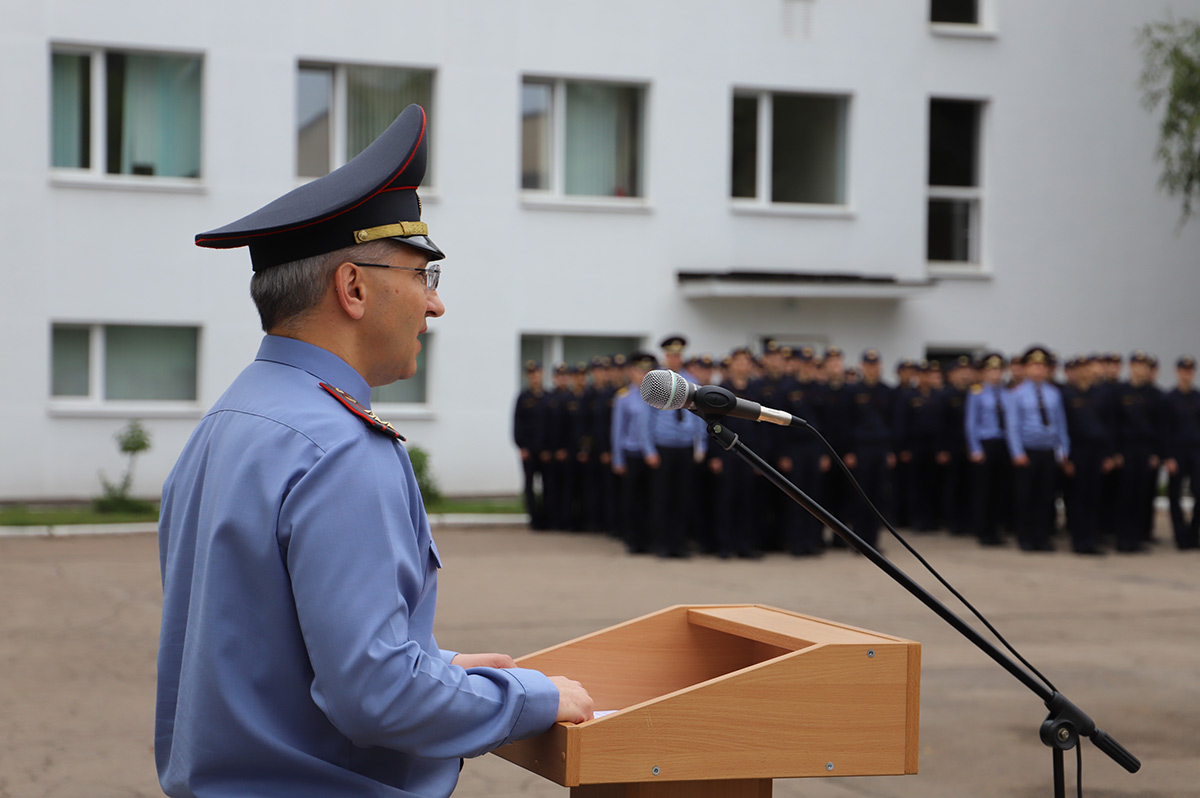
(918, 435)
(527, 435)
(1093, 453)
(602, 493)
(1139, 440)
(1182, 449)
(809, 461)
(952, 452)
(987, 446)
(833, 408)
(1038, 442)
(737, 528)
(871, 410)
(556, 450)
(770, 389)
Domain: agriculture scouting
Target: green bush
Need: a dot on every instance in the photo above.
(424, 474)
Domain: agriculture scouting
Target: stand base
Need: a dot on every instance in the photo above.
(737, 788)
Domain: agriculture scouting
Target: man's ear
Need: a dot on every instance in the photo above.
(350, 289)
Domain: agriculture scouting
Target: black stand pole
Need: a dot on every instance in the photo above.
(1065, 723)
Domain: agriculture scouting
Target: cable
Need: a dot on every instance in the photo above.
(846, 470)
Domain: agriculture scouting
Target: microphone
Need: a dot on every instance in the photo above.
(666, 390)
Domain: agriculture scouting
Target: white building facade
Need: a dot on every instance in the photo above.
(921, 177)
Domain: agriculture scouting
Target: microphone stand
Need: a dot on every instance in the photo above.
(1065, 723)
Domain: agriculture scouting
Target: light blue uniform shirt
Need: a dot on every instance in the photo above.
(985, 403)
(297, 655)
(630, 424)
(677, 428)
(1024, 425)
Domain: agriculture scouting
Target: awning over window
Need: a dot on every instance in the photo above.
(745, 284)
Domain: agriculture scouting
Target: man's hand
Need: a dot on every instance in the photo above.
(1021, 460)
(483, 661)
(574, 703)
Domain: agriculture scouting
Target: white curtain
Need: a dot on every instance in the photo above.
(375, 96)
(159, 98)
(603, 143)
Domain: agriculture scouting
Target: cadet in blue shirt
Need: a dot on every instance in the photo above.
(297, 655)
(632, 456)
(987, 448)
(1037, 441)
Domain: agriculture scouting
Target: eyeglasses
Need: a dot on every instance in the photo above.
(432, 272)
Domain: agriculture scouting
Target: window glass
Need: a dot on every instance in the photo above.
(70, 360)
(582, 348)
(151, 363)
(953, 143)
(603, 140)
(314, 106)
(958, 11)
(375, 96)
(536, 126)
(71, 110)
(745, 147)
(807, 148)
(410, 391)
(949, 230)
(152, 114)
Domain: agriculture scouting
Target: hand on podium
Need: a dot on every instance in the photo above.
(574, 703)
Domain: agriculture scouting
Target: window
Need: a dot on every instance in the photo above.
(953, 219)
(341, 109)
(117, 362)
(581, 138)
(789, 148)
(570, 349)
(411, 391)
(959, 12)
(125, 113)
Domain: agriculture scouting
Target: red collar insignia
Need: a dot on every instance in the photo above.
(368, 416)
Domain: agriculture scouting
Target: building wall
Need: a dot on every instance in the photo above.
(1079, 251)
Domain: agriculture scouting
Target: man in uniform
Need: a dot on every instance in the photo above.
(1093, 453)
(1038, 443)
(952, 452)
(1139, 440)
(633, 461)
(987, 447)
(527, 435)
(297, 655)
(1182, 449)
(870, 414)
(737, 526)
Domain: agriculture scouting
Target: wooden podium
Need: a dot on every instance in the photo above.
(711, 701)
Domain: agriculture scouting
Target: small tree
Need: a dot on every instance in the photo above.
(1171, 77)
(131, 441)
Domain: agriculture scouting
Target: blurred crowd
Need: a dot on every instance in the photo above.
(989, 446)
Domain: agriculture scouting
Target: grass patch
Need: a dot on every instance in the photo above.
(22, 515)
(496, 504)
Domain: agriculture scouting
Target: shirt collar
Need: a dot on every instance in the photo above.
(321, 363)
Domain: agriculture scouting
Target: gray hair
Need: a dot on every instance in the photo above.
(284, 294)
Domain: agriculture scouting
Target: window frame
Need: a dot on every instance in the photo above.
(424, 409)
(94, 404)
(761, 203)
(983, 28)
(555, 196)
(339, 111)
(973, 195)
(96, 174)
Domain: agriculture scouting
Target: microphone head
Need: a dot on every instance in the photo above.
(666, 390)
